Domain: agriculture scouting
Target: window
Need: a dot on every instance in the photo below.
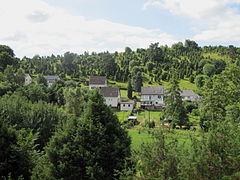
(129, 105)
(156, 102)
(123, 105)
(159, 97)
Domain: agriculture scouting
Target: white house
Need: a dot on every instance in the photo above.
(97, 82)
(152, 97)
(28, 79)
(126, 105)
(111, 96)
(51, 79)
(188, 95)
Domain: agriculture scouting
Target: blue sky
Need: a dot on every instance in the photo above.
(44, 27)
(130, 12)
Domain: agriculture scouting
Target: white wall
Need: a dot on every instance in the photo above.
(126, 107)
(28, 80)
(112, 101)
(94, 86)
(189, 98)
(155, 99)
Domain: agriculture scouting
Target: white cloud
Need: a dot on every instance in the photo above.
(218, 19)
(33, 27)
(151, 3)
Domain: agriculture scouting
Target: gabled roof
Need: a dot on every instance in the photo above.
(98, 80)
(152, 90)
(187, 92)
(51, 77)
(109, 91)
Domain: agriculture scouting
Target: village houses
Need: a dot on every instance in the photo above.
(189, 95)
(27, 79)
(97, 82)
(152, 97)
(111, 96)
(127, 105)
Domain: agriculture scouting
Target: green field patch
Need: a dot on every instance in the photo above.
(141, 116)
(138, 137)
(216, 56)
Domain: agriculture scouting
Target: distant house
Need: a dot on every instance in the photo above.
(152, 97)
(188, 95)
(97, 82)
(126, 105)
(51, 79)
(28, 79)
(111, 96)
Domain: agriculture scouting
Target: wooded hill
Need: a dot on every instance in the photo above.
(154, 62)
(68, 132)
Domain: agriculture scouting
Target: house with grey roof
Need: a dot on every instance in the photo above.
(189, 95)
(152, 97)
(97, 82)
(127, 105)
(111, 96)
(51, 79)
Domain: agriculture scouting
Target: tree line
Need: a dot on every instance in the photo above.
(67, 132)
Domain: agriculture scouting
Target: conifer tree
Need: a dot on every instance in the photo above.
(174, 109)
(138, 82)
(93, 147)
(129, 89)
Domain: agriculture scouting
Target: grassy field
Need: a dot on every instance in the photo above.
(124, 94)
(141, 116)
(216, 56)
(139, 137)
(117, 84)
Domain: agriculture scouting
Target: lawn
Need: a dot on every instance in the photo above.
(141, 116)
(216, 56)
(117, 84)
(139, 137)
(183, 84)
(123, 93)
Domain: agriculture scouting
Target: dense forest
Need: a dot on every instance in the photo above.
(66, 131)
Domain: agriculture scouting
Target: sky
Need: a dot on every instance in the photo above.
(45, 27)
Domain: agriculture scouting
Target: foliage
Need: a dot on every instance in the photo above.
(209, 69)
(158, 159)
(17, 152)
(34, 92)
(219, 93)
(94, 147)
(213, 155)
(149, 124)
(174, 109)
(41, 117)
(41, 80)
(138, 82)
(129, 89)
(75, 99)
(200, 80)
(6, 59)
